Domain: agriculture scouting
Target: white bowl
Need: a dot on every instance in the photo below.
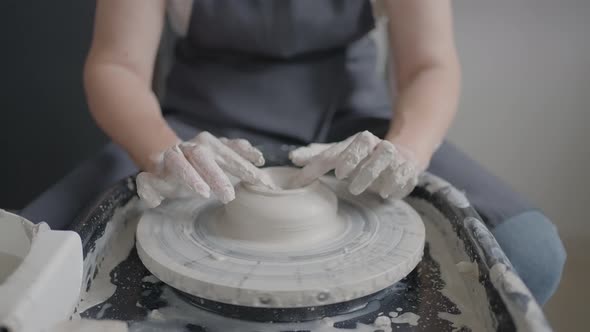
(292, 218)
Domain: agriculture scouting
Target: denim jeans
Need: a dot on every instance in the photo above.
(533, 246)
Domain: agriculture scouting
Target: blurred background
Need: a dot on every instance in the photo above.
(45, 128)
(525, 110)
(525, 114)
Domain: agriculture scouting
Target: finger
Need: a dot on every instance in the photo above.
(362, 145)
(379, 160)
(177, 168)
(241, 168)
(408, 187)
(203, 160)
(385, 183)
(320, 164)
(379, 183)
(202, 137)
(388, 181)
(244, 149)
(407, 177)
(235, 164)
(303, 155)
(400, 180)
(153, 189)
(146, 183)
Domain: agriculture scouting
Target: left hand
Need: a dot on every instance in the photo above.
(200, 167)
(368, 161)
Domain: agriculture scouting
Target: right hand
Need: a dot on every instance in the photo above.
(196, 167)
(367, 161)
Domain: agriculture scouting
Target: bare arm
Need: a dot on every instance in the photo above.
(427, 74)
(118, 77)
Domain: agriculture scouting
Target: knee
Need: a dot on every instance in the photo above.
(533, 246)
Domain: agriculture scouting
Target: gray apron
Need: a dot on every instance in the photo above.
(282, 68)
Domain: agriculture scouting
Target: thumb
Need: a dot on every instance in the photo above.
(303, 155)
(146, 189)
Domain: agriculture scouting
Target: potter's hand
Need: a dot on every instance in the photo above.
(196, 167)
(366, 160)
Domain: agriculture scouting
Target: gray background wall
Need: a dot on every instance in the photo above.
(525, 114)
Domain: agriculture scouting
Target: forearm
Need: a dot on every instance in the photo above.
(126, 109)
(427, 74)
(425, 108)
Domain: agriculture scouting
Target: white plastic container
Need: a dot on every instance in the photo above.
(40, 274)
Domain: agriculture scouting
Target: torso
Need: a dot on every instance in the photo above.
(282, 67)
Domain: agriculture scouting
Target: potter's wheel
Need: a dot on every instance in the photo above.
(314, 246)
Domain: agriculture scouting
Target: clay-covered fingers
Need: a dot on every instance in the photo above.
(321, 164)
(244, 149)
(370, 170)
(237, 165)
(397, 181)
(303, 155)
(407, 178)
(147, 184)
(178, 169)
(318, 166)
(361, 146)
(175, 177)
(203, 160)
(234, 164)
(153, 190)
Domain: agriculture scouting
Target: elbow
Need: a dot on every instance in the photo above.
(90, 84)
(90, 71)
(87, 74)
(87, 78)
(452, 70)
(453, 66)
